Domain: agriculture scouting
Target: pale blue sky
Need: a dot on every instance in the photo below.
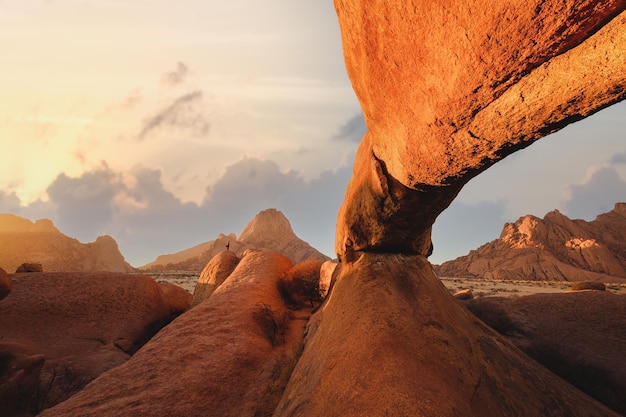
(164, 124)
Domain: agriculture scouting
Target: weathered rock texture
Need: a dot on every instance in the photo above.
(229, 356)
(391, 341)
(449, 88)
(579, 336)
(552, 248)
(269, 230)
(58, 331)
(22, 241)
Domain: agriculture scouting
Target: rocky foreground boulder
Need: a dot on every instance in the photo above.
(231, 355)
(578, 336)
(554, 248)
(391, 341)
(40, 242)
(59, 331)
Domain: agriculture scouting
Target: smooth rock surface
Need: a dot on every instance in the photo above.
(224, 357)
(449, 88)
(81, 324)
(580, 336)
(391, 341)
(214, 274)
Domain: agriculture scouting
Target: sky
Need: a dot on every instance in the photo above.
(165, 124)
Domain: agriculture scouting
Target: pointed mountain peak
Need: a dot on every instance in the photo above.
(268, 223)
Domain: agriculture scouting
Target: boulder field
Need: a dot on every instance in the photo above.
(231, 355)
(59, 331)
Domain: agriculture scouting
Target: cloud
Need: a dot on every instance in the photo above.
(618, 159)
(147, 220)
(597, 194)
(353, 130)
(81, 200)
(9, 202)
(177, 76)
(185, 112)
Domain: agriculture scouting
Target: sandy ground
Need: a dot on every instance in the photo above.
(485, 288)
(479, 287)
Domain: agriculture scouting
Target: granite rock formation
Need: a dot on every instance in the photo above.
(22, 241)
(269, 230)
(214, 274)
(59, 331)
(450, 88)
(447, 89)
(578, 336)
(391, 341)
(554, 248)
(230, 355)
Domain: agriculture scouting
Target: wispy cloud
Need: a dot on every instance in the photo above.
(185, 112)
(177, 76)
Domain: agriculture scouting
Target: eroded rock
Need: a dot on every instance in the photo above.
(390, 340)
(228, 356)
(554, 248)
(448, 89)
(83, 324)
(214, 274)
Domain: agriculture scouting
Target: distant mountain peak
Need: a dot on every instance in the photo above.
(552, 248)
(270, 230)
(268, 223)
(22, 240)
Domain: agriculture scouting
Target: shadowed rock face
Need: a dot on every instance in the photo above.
(450, 88)
(578, 336)
(390, 341)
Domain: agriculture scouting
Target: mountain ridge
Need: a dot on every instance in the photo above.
(554, 248)
(22, 240)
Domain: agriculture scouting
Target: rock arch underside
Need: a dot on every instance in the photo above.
(447, 88)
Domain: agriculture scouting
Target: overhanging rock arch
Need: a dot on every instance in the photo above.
(450, 88)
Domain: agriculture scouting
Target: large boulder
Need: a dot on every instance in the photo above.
(449, 88)
(579, 336)
(391, 340)
(29, 267)
(59, 331)
(230, 355)
(214, 274)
